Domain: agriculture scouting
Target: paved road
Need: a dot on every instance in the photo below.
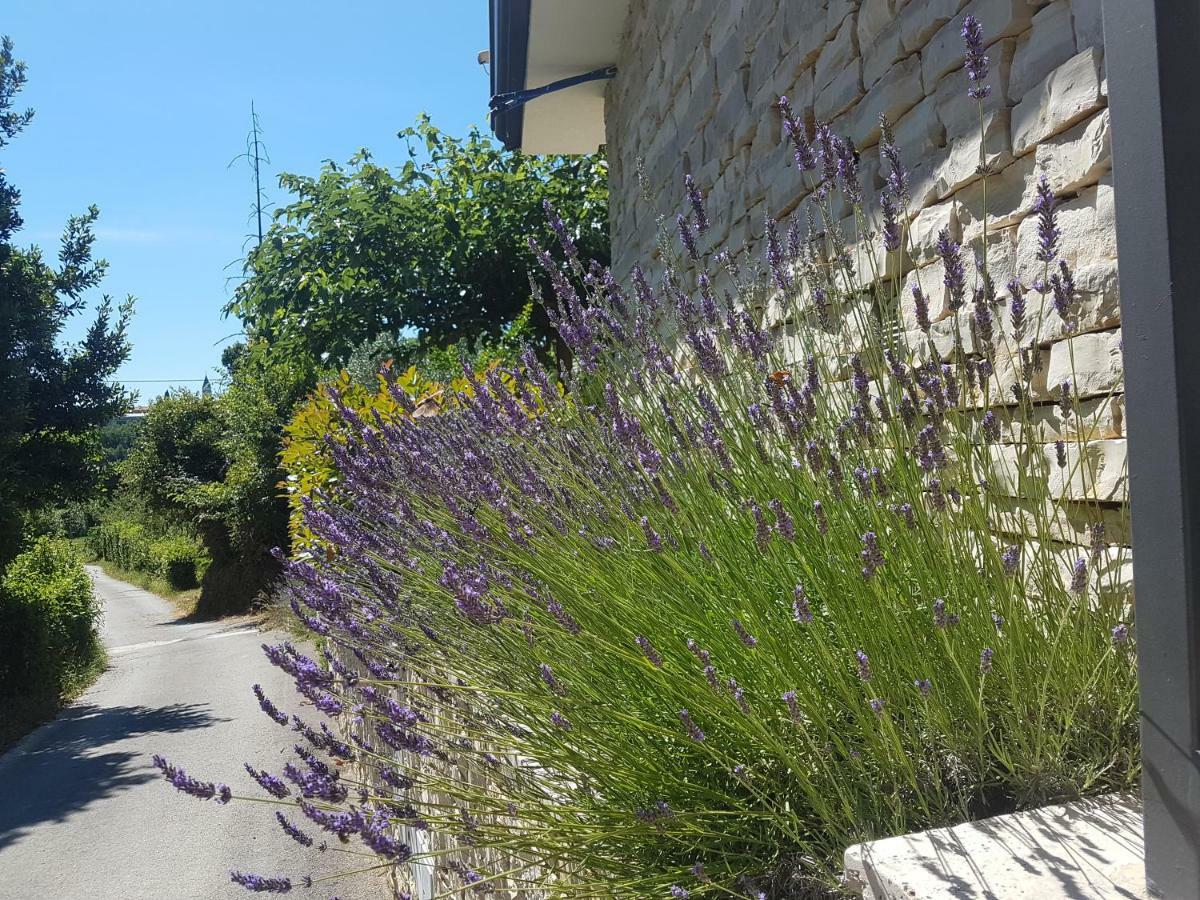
(84, 815)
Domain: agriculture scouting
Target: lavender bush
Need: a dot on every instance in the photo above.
(733, 601)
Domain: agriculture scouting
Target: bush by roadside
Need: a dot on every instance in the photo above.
(179, 561)
(49, 647)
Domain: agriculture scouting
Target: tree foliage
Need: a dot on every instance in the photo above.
(53, 395)
(437, 248)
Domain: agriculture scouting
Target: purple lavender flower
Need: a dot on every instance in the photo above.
(877, 706)
(897, 178)
(739, 695)
(560, 230)
(653, 540)
(268, 707)
(775, 260)
(649, 652)
(686, 237)
(743, 635)
(1017, 307)
(260, 884)
(697, 203)
(1066, 400)
(292, 831)
(998, 621)
(794, 131)
(762, 531)
(679, 892)
(785, 526)
(182, 781)
(1060, 453)
(268, 782)
(976, 61)
(921, 303)
(553, 683)
(1120, 634)
(1062, 286)
(1079, 576)
(693, 730)
(991, 427)
(955, 278)
(985, 660)
(891, 223)
(819, 515)
(560, 720)
(1097, 543)
(801, 610)
(789, 697)
(924, 685)
(1010, 559)
(864, 665)
(847, 169)
(940, 618)
(1048, 232)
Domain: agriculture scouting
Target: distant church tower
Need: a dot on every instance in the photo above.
(206, 388)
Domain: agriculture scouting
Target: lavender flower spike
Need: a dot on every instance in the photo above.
(956, 275)
(1048, 232)
(693, 729)
(699, 215)
(976, 61)
(260, 885)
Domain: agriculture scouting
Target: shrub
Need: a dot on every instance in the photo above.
(718, 613)
(177, 559)
(48, 615)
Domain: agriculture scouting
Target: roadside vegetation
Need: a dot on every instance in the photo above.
(54, 398)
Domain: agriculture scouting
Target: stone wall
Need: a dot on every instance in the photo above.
(695, 93)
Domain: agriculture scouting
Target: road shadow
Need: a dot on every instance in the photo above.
(65, 766)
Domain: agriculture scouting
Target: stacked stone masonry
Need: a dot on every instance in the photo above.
(696, 90)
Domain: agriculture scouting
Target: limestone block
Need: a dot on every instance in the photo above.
(803, 31)
(768, 52)
(1091, 362)
(1070, 523)
(1088, 226)
(923, 182)
(1097, 418)
(836, 12)
(1005, 202)
(1097, 304)
(1045, 47)
(1089, 30)
(1098, 470)
(962, 159)
(894, 95)
(1095, 471)
(879, 54)
(921, 19)
(1000, 19)
(925, 227)
(1077, 158)
(919, 133)
(841, 93)
(729, 16)
(1067, 95)
(874, 16)
(836, 55)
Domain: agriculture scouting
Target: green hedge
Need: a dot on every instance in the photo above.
(48, 614)
(177, 559)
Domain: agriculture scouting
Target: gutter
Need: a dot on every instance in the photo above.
(509, 21)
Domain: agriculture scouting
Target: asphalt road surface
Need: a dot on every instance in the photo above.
(85, 816)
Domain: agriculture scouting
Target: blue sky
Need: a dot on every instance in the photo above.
(140, 106)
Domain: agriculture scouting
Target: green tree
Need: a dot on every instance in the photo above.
(436, 250)
(53, 396)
